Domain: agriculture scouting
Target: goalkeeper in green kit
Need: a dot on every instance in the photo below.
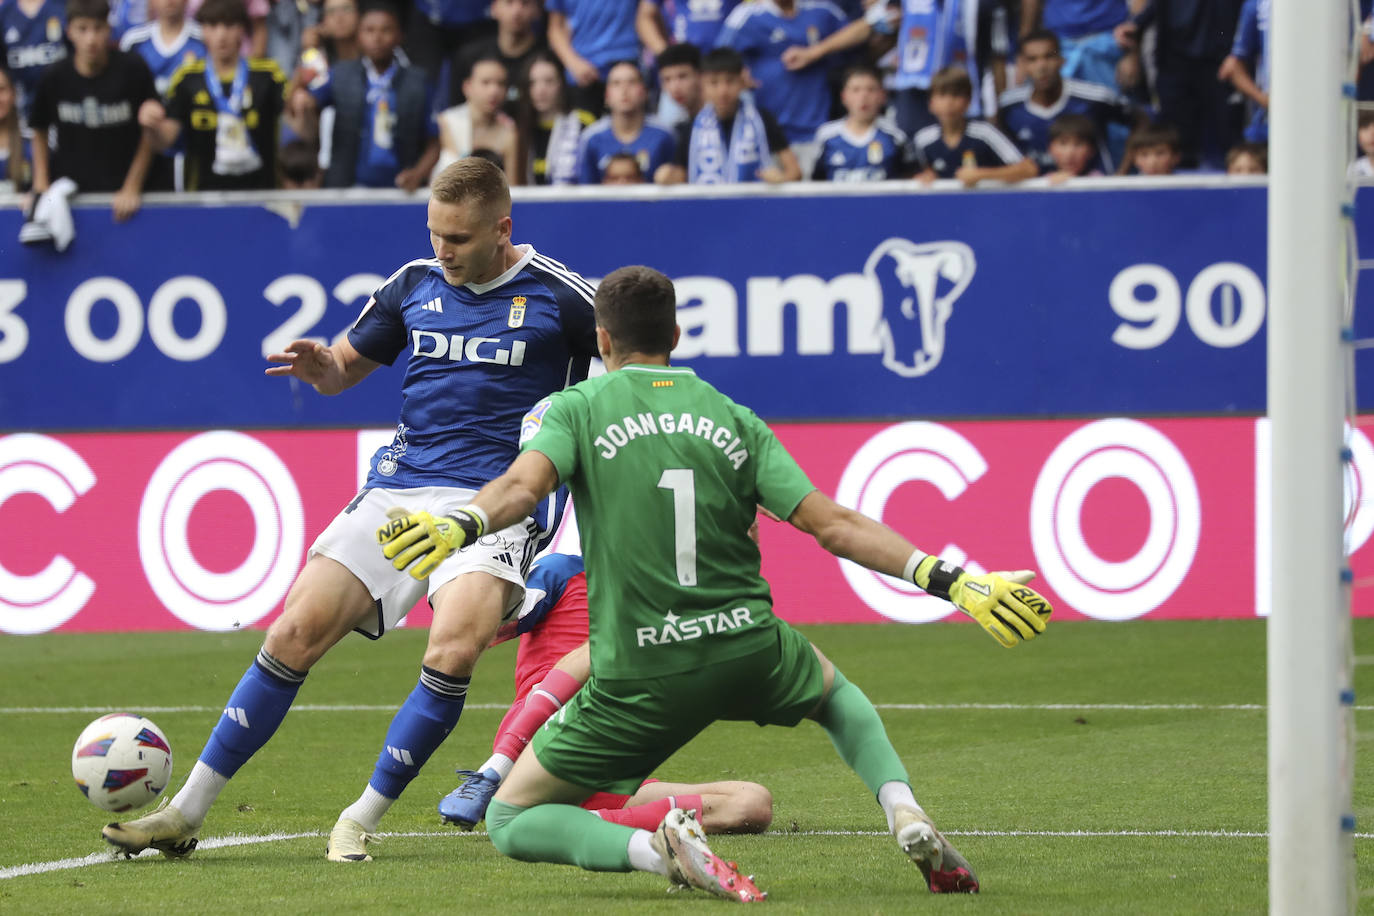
(667, 474)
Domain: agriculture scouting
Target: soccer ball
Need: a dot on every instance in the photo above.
(121, 762)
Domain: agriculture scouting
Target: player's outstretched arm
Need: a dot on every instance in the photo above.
(1001, 602)
(329, 369)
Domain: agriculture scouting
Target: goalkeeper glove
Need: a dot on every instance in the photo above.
(426, 541)
(999, 601)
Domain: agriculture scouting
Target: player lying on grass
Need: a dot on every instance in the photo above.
(666, 473)
(552, 663)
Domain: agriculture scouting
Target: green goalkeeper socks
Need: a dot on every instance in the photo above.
(563, 834)
(858, 734)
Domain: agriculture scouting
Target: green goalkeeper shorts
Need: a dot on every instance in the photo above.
(615, 733)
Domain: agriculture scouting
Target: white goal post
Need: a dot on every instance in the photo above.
(1311, 855)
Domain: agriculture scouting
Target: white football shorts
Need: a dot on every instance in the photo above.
(351, 539)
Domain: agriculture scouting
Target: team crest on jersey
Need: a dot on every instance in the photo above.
(201, 98)
(534, 420)
(917, 287)
(54, 29)
(247, 97)
(517, 312)
(813, 34)
(388, 464)
(875, 153)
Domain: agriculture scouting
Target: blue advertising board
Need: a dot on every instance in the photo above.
(992, 304)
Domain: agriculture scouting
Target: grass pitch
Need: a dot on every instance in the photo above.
(1105, 768)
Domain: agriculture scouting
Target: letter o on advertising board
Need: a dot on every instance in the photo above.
(243, 466)
(31, 463)
(1145, 458)
(901, 454)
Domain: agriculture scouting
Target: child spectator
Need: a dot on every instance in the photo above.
(679, 82)
(860, 146)
(1027, 111)
(800, 98)
(34, 39)
(1253, 158)
(299, 161)
(92, 99)
(254, 43)
(1073, 148)
(731, 139)
(515, 44)
(1364, 166)
(955, 147)
(166, 42)
(382, 135)
(547, 126)
(589, 36)
(626, 129)
(479, 123)
(227, 107)
(16, 168)
(622, 168)
(1152, 150)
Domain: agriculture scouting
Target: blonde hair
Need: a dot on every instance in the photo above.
(473, 179)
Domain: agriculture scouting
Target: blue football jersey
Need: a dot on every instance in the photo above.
(480, 357)
(696, 22)
(1028, 124)
(653, 147)
(759, 31)
(1076, 18)
(880, 153)
(1252, 46)
(164, 59)
(32, 43)
(603, 31)
(981, 145)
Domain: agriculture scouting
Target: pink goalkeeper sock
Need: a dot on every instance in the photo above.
(547, 697)
(650, 814)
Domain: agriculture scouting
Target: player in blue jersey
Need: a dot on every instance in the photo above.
(957, 147)
(1027, 111)
(930, 37)
(166, 43)
(1251, 49)
(861, 146)
(625, 129)
(33, 37)
(489, 328)
(761, 31)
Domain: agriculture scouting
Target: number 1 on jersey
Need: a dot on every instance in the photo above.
(682, 481)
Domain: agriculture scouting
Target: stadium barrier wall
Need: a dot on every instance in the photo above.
(840, 315)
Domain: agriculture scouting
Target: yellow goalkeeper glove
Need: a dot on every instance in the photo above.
(426, 541)
(999, 601)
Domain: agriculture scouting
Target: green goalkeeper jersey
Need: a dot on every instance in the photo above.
(666, 474)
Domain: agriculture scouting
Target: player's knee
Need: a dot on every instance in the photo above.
(298, 639)
(750, 809)
(456, 657)
(499, 818)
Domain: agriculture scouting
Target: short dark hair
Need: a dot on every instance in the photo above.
(952, 80)
(1042, 35)
(471, 65)
(624, 156)
(1078, 126)
(1365, 117)
(860, 69)
(299, 161)
(88, 9)
(1259, 150)
(379, 6)
(224, 12)
(677, 55)
(1162, 134)
(638, 307)
(722, 60)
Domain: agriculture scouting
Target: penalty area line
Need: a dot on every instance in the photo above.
(111, 857)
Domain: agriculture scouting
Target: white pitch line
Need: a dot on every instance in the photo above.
(108, 858)
(923, 707)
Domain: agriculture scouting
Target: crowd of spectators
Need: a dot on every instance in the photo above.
(259, 94)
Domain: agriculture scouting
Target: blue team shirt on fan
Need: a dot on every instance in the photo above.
(1028, 124)
(453, 12)
(758, 30)
(1076, 18)
(126, 15)
(603, 31)
(695, 22)
(654, 146)
(932, 35)
(880, 153)
(164, 59)
(981, 144)
(32, 44)
(1252, 46)
(480, 356)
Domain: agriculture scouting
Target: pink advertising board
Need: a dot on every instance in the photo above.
(1123, 519)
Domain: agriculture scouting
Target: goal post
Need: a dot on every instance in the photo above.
(1311, 857)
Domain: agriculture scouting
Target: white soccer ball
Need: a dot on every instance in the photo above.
(122, 762)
